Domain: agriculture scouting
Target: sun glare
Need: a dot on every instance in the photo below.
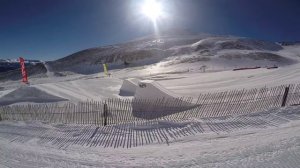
(152, 9)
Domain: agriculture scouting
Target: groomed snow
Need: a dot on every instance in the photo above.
(28, 94)
(181, 79)
(273, 143)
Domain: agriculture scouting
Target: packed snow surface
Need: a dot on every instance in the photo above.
(28, 94)
(264, 139)
(128, 87)
(151, 90)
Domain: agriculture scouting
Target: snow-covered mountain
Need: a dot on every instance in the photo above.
(289, 43)
(12, 64)
(170, 49)
(174, 49)
(10, 69)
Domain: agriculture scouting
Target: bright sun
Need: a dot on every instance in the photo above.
(152, 9)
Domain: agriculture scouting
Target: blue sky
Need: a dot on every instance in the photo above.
(52, 29)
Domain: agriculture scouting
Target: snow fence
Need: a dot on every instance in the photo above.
(118, 111)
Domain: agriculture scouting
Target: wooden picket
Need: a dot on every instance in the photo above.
(118, 111)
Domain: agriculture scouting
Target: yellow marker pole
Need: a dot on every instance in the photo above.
(105, 69)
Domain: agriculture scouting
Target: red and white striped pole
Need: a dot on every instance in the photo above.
(23, 70)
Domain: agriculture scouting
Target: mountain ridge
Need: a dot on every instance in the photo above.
(169, 49)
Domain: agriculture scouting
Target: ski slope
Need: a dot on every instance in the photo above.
(274, 142)
(28, 94)
(183, 79)
(99, 87)
(269, 139)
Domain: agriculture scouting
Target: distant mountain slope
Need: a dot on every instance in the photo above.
(151, 49)
(289, 43)
(170, 49)
(8, 64)
(33, 70)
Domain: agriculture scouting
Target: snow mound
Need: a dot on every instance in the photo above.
(154, 101)
(145, 89)
(151, 100)
(151, 90)
(128, 87)
(28, 94)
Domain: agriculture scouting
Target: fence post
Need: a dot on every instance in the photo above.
(286, 92)
(105, 113)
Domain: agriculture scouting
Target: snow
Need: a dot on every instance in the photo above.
(151, 90)
(176, 79)
(128, 87)
(49, 73)
(219, 43)
(264, 139)
(28, 94)
(273, 143)
(86, 88)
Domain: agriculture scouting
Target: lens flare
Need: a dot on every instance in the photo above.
(152, 9)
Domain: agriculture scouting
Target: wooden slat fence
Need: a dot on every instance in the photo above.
(117, 111)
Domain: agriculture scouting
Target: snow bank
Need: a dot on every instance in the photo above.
(28, 94)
